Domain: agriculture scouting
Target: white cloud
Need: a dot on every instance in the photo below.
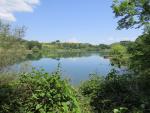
(73, 40)
(9, 7)
(110, 40)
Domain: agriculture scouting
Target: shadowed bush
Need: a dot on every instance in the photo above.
(117, 93)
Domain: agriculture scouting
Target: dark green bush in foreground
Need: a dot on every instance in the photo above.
(38, 92)
(117, 93)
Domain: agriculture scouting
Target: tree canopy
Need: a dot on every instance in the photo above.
(132, 13)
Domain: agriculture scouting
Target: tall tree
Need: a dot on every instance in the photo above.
(136, 13)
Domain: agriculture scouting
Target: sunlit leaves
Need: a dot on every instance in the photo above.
(41, 92)
(132, 12)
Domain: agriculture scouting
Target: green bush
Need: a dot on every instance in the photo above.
(114, 92)
(38, 92)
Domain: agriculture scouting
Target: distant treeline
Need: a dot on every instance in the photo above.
(82, 46)
(10, 37)
(13, 46)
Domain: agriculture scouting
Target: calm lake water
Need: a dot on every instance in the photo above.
(77, 67)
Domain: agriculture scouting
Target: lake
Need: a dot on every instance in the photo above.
(77, 67)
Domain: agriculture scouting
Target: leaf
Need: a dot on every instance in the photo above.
(34, 96)
(116, 111)
(42, 94)
(38, 106)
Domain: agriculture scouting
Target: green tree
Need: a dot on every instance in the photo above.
(32, 44)
(140, 54)
(132, 13)
(12, 47)
(103, 46)
(118, 55)
(114, 93)
(137, 13)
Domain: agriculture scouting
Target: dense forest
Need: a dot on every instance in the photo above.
(41, 92)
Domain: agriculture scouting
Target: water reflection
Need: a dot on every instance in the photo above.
(76, 66)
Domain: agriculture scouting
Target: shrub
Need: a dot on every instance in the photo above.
(114, 92)
(39, 92)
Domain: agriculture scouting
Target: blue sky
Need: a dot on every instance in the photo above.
(88, 21)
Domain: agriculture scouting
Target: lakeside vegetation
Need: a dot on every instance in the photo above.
(40, 92)
(13, 48)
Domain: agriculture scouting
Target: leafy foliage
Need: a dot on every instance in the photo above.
(12, 48)
(39, 92)
(119, 55)
(132, 12)
(116, 93)
(140, 50)
(73, 47)
(33, 44)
